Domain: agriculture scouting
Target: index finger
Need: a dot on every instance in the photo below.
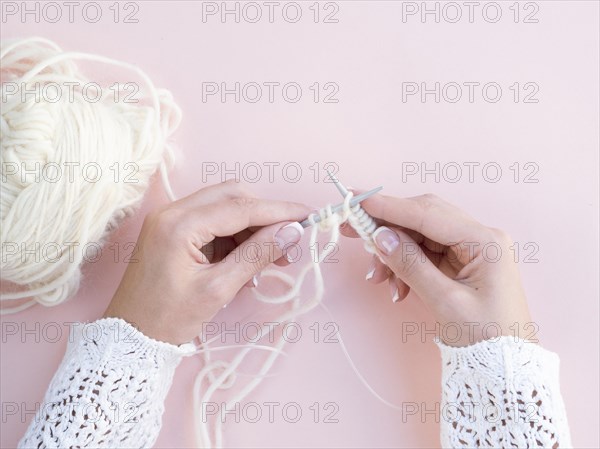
(427, 214)
(228, 217)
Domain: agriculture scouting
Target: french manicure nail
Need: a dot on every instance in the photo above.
(290, 233)
(252, 283)
(394, 290)
(371, 271)
(386, 240)
(370, 274)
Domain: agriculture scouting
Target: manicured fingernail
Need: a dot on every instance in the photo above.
(386, 240)
(371, 271)
(394, 291)
(252, 282)
(370, 274)
(290, 233)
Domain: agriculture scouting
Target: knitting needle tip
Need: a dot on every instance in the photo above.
(353, 202)
(341, 188)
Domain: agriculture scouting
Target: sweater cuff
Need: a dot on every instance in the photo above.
(120, 341)
(505, 358)
(502, 392)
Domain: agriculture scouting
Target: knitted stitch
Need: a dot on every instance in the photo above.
(502, 393)
(109, 390)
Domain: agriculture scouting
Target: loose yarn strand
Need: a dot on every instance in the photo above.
(357, 372)
(43, 132)
(330, 222)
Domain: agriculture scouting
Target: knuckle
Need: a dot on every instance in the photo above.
(427, 201)
(406, 264)
(430, 199)
(242, 189)
(409, 264)
(237, 188)
(244, 202)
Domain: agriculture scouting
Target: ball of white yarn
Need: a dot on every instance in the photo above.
(49, 219)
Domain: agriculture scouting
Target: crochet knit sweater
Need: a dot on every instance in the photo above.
(110, 388)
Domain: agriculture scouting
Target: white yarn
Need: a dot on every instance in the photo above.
(72, 211)
(363, 224)
(221, 375)
(497, 393)
(42, 218)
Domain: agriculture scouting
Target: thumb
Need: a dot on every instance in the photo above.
(257, 252)
(404, 256)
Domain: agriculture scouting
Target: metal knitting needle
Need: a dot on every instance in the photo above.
(364, 229)
(353, 202)
(341, 188)
(369, 222)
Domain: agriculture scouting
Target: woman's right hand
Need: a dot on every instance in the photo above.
(465, 272)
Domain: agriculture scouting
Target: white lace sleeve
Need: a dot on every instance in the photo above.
(502, 393)
(108, 391)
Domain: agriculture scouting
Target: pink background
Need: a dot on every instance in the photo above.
(369, 133)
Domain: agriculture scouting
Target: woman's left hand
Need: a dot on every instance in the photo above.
(194, 255)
